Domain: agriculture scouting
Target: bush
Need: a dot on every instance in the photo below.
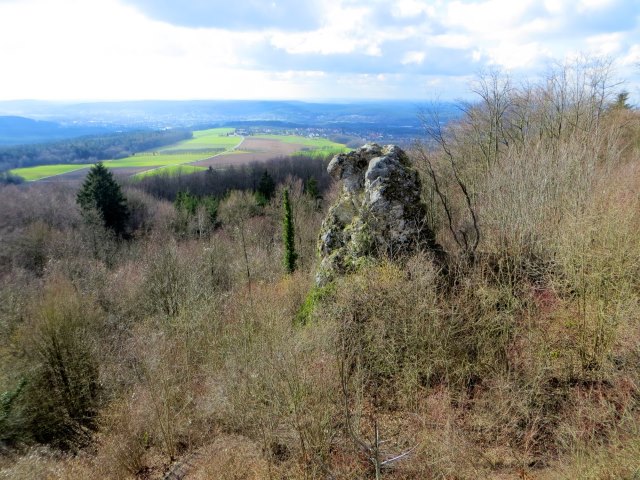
(60, 397)
(31, 248)
(401, 336)
(312, 301)
(166, 283)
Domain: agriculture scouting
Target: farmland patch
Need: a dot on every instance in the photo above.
(45, 171)
(216, 147)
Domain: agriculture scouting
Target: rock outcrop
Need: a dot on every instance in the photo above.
(378, 213)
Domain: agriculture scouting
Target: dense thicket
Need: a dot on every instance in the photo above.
(89, 149)
(7, 178)
(521, 359)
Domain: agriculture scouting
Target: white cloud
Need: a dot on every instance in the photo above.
(345, 30)
(632, 58)
(103, 50)
(555, 7)
(410, 8)
(451, 40)
(413, 57)
(607, 44)
(488, 18)
(595, 4)
(109, 49)
(510, 56)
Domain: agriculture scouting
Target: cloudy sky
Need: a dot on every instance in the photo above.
(298, 49)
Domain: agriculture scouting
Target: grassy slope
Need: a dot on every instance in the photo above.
(215, 138)
(204, 144)
(171, 170)
(151, 161)
(44, 171)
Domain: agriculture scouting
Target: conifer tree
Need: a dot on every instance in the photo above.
(266, 189)
(100, 193)
(311, 188)
(621, 102)
(290, 255)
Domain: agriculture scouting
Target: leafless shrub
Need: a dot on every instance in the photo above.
(59, 402)
(521, 160)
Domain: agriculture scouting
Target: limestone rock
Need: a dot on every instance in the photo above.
(378, 213)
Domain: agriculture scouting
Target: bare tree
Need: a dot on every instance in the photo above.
(236, 210)
(507, 123)
(372, 448)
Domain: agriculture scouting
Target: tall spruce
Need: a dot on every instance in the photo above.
(311, 188)
(266, 189)
(290, 255)
(100, 193)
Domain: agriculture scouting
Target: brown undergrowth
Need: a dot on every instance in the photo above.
(519, 358)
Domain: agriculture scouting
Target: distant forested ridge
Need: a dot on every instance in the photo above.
(89, 149)
(16, 130)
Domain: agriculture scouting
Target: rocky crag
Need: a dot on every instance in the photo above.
(379, 211)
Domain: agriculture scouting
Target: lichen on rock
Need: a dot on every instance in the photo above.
(379, 211)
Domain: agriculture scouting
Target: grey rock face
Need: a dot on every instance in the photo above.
(378, 213)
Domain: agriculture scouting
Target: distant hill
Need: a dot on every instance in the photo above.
(15, 130)
(397, 117)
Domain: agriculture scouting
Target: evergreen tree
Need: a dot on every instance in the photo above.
(311, 188)
(266, 189)
(100, 193)
(621, 102)
(186, 202)
(211, 205)
(290, 255)
(190, 208)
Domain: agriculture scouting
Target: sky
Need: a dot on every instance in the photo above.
(300, 49)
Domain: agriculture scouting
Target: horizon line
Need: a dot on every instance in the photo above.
(297, 100)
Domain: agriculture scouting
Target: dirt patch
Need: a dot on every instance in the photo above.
(265, 145)
(255, 150)
(237, 159)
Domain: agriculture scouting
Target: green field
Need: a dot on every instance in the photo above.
(204, 144)
(44, 171)
(323, 152)
(171, 170)
(153, 161)
(214, 138)
(136, 161)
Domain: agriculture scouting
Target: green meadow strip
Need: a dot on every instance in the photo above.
(39, 172)
(171, 170)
